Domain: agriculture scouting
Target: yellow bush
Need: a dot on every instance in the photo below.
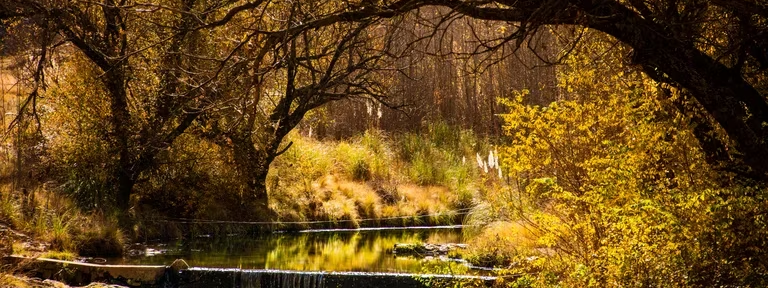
(617, 189)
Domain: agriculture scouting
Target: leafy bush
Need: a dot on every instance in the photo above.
(624, 196)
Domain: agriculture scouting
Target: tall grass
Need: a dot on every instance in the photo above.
(378, 178)
(10, 208)
(51, 218)
(365, 158)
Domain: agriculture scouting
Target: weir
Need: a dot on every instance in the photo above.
(245, 278)
(77, 273)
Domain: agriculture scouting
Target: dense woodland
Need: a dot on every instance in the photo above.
(594, 142)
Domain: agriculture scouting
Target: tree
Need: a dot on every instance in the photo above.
(195, 61)
(165, 64)
(684, 43)
(287, 79)
(625, 196)
(148, 110)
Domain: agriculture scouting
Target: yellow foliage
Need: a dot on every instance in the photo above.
(616, 186)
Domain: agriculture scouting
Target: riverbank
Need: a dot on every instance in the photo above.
(185, 276)
(20, 281)
(354, 250)
(372, 180)
(12, 273)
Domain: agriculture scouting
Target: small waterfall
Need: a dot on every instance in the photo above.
(236, 278)
(251, 280)
(280, 279)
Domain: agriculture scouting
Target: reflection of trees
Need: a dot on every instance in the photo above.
(341, 251)
(338, 251)
(344, 251)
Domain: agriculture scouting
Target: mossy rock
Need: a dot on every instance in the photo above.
(409, 249)
(422, 249)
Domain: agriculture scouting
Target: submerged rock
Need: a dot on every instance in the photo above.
(143, 251)
(179, 264)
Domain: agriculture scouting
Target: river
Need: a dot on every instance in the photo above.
(365, 250)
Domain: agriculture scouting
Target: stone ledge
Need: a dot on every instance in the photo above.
(80, 273)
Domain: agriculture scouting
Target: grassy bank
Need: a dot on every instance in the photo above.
(378, 180)
(7, 280)
(51, 226)
(374, 179)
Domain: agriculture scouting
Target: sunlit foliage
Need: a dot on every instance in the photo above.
(618, 191)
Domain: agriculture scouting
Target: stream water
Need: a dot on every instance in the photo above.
(367, 250)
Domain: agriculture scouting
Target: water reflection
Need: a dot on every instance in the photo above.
(365, 251)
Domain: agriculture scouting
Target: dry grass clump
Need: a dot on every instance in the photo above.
(57, 221)
(102, 237)
(10, 207)
(375, 179)
(349, 203)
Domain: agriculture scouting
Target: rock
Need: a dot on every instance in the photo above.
(409, 249)
(94, 260)
(422, 250)
(8, 280)
(176, 267)
(179, 265)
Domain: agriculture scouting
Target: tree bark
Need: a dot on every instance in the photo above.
(253, 166)
(120, 120)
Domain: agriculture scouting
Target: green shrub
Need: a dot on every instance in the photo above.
(60, 235)
(424, 172)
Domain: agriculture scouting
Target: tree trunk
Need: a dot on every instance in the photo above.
(256, 199)
(120, 120)
(735, 105)
(125, 185)
(253, 166)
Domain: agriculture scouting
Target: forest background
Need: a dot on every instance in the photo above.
(594, 143)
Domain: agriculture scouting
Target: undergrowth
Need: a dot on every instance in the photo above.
(45, 216)
(379, 179)
(620, 197)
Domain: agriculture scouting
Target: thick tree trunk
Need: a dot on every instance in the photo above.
(253, 166)
(256, 198)
(125, 185)
(120, 121)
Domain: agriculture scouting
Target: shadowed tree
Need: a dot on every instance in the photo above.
(687, 44)
(301, 72)
(157, 76)
(300, 56)
(253, 68)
